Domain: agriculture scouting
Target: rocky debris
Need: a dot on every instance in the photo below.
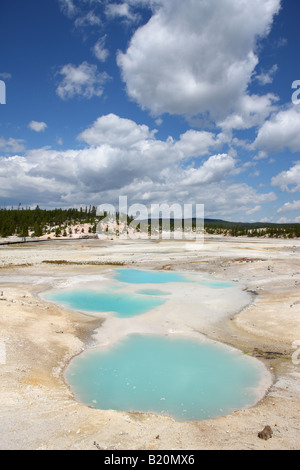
(266, 433)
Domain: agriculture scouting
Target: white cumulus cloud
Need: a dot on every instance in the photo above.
(11, 145)
(37, 126)
(120, 10)
(82, 80)
(114, 131)
(195, 56)
(121, 157)
(280, 132)
(100, 51)
(289, 207)
(288, 180)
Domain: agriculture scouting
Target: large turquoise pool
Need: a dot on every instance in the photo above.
(179, 377)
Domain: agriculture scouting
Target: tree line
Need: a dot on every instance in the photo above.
(22, 221)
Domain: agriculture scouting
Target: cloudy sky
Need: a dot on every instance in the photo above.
(162, 101)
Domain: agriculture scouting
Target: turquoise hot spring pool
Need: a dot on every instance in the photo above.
(120, 303)
(177, 376)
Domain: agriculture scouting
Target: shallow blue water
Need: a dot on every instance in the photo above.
(122, 304)
(152, 292)
(183, 378)
(217, 284)
(135, 276)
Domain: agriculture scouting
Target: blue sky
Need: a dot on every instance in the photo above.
(163, 101)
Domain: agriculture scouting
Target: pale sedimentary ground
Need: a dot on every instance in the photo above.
(37, 409)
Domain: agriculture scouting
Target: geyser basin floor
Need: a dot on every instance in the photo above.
(180, 377)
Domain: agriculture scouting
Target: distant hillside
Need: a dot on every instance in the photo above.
(254, 229)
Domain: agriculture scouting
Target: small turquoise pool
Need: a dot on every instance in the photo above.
(120, 303)
(136, 276)
(178, 377)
